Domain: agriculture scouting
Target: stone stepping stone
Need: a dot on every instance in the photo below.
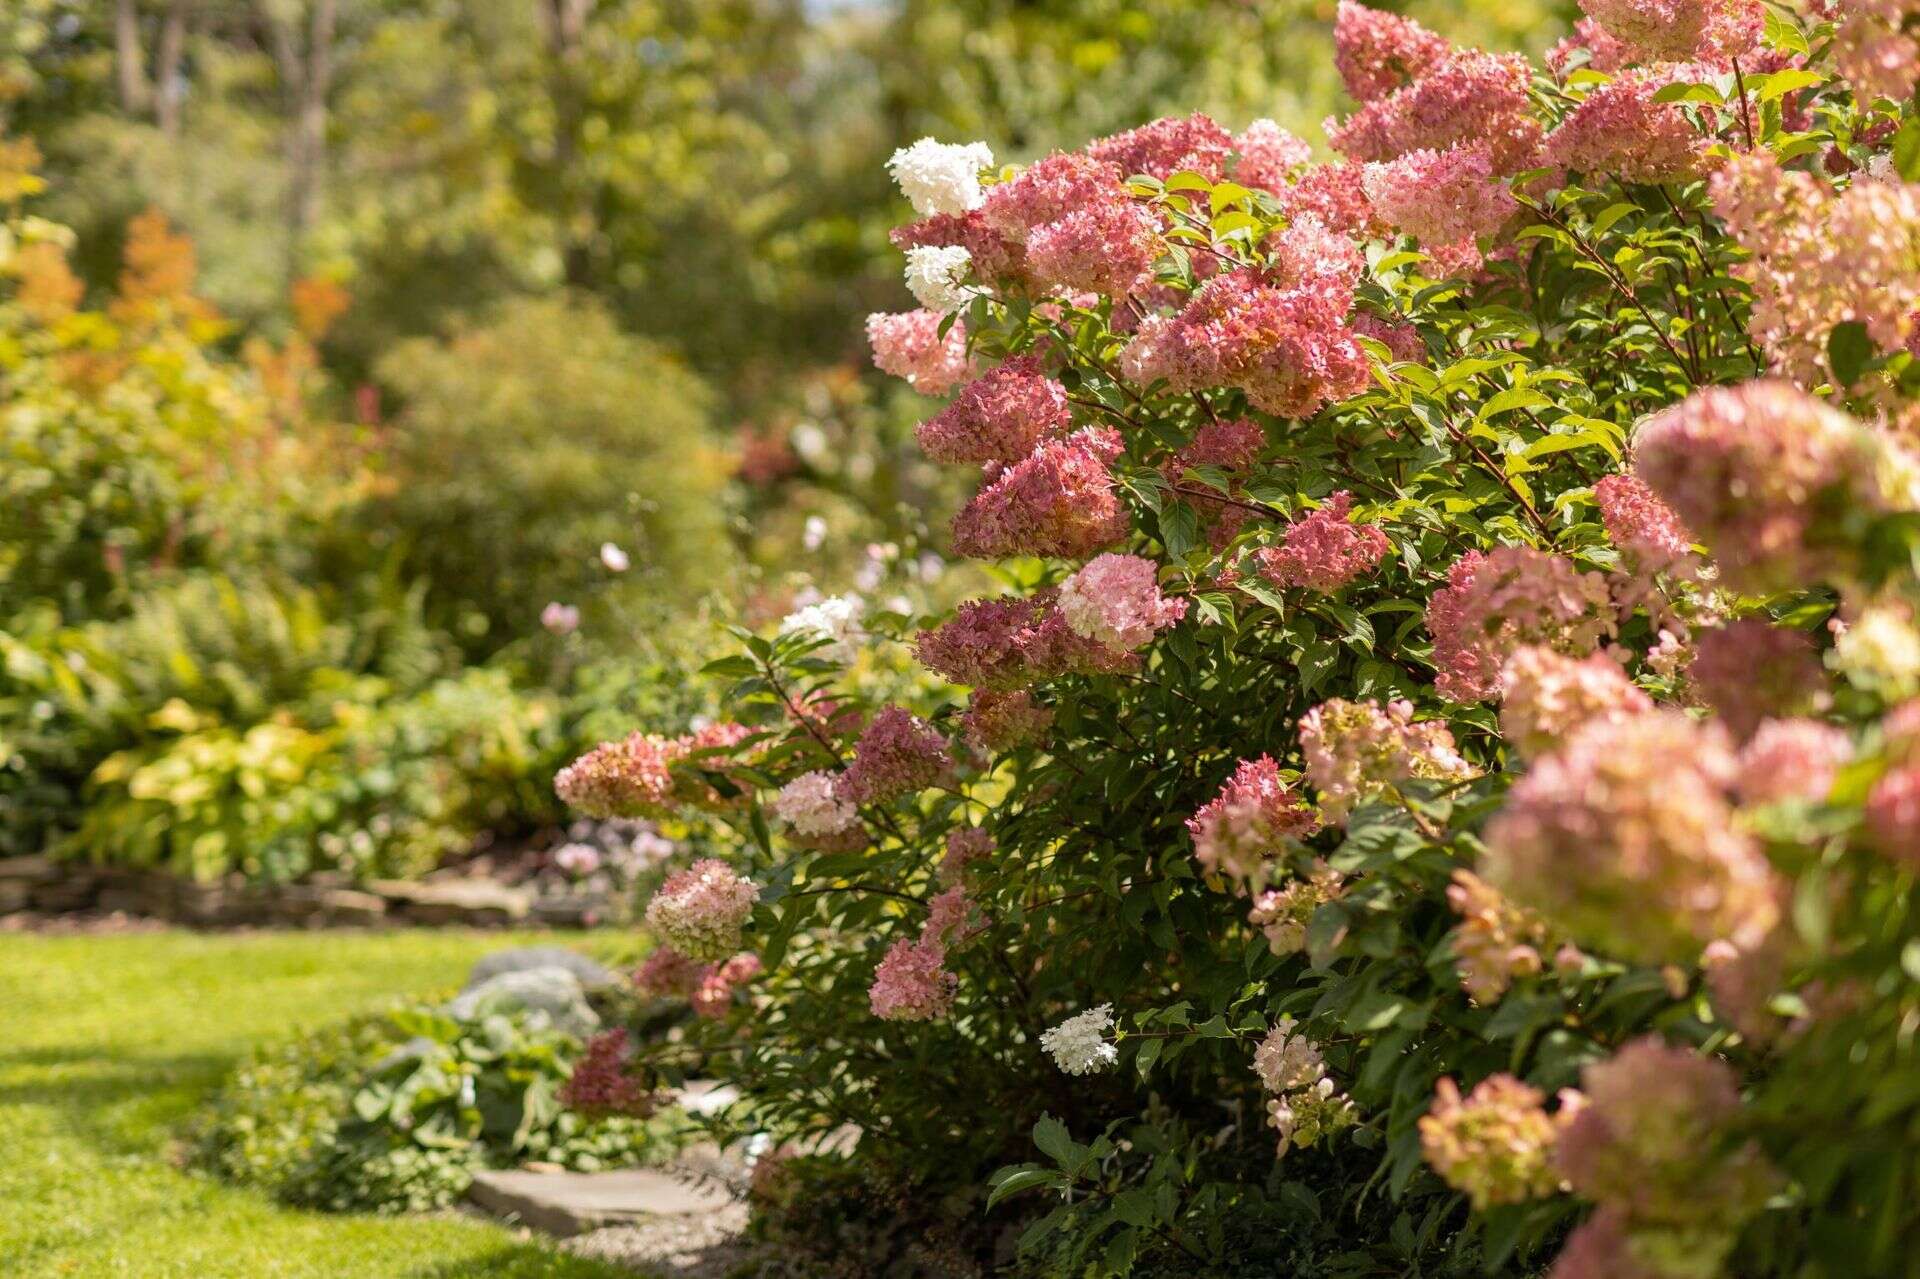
(572, 1203)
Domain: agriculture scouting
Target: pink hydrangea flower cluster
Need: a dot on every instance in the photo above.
(1283, 913)
(1289, 349)
(1821, 258)
(1447, 199)
(712, 993)
(1495, 1145)
(1115, 601)
(1246, 824)
(1792, 759)
(1875, 47)
(1001, 416)
(1679, 30)
(908, 345)
(1620, 130)
(1652, 1140)
(814, 804)
(1470, 96)
(1627, 837)
(1640, 524)
(1189, 144)
(1403, 341)
(1893, 813)
(1325, 549)
(898, 754)
(1546, 696)
(1357, 751)
(1076, 225)
(700, 911)
(1269, 157)
(1496, 602)
(1013, 642)
(645, 774)
(912, 983)
(1378, 52)
(1305, 1105)
(1752, 468)
(996, 721)
(1751, 670)
(666, 973)
(1059, 501)
(965, 846)
(1604, 53)
(1497, 942)
(1231, 445)
(1335, 194)
(600, 1084)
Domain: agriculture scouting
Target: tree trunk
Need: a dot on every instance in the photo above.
(306, 76)
(566, 22)
(169, 91)
(130, 60)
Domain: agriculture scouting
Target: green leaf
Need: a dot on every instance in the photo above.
(1906, 150)
(1849, 351)
(1051, 1136)
(1011, 1181)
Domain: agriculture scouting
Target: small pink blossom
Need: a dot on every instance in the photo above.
(600, 1084)
(965, 846)
(1441, 197)
(814, 804)
(1004, 721)
(1893, 813)
(1467, 97)
(1193, 144)
(1107, 248)
(1496, 1145)
(1356, 752)
(1012, 642)
(1269, 156)
(1640, 524)
(712, 994)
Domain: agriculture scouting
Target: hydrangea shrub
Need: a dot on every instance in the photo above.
(1447, 758)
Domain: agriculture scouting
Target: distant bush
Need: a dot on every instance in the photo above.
(526, 442)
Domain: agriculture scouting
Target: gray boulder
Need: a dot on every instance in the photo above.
(524, 958)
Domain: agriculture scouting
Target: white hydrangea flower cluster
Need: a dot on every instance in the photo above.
(1305, 1106)
(1079, 1044)
(941, 177)
(813, 805)
(936, 276)
(835, 619)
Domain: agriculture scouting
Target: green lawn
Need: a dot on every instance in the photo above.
(108, 1043)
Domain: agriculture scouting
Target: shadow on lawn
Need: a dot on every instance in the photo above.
(530, 1261)
(118, 1103)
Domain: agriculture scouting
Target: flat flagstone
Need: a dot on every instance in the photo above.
(571, 1203)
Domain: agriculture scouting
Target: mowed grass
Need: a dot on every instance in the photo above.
(108, 1043)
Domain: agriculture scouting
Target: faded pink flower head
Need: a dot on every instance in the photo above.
(1269, 157)
(965, 846)
(1652, 1139)
(1000, 416)
(912, 983)
(1004, 721)
(1248, 822)
(1057, 501)
(700, 911)
(1441, 198)
(908, 345)
(1467, 97)
(712, 993)
(1377, 52)
(1893, 814)
(814, 804)
(1496, 1145)
(1756, 469)
(898, 754)
(1013, 642)
(1115, 601)
(600, 1084)
(1547, 696)
(1356, 752)
(1325, 549)
(1496, 602)
(1619, 130)
(1789, 759)
(1164, 147)
(1640, 524)
(1627, 837)
(1679, 30)
(1751, 670)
